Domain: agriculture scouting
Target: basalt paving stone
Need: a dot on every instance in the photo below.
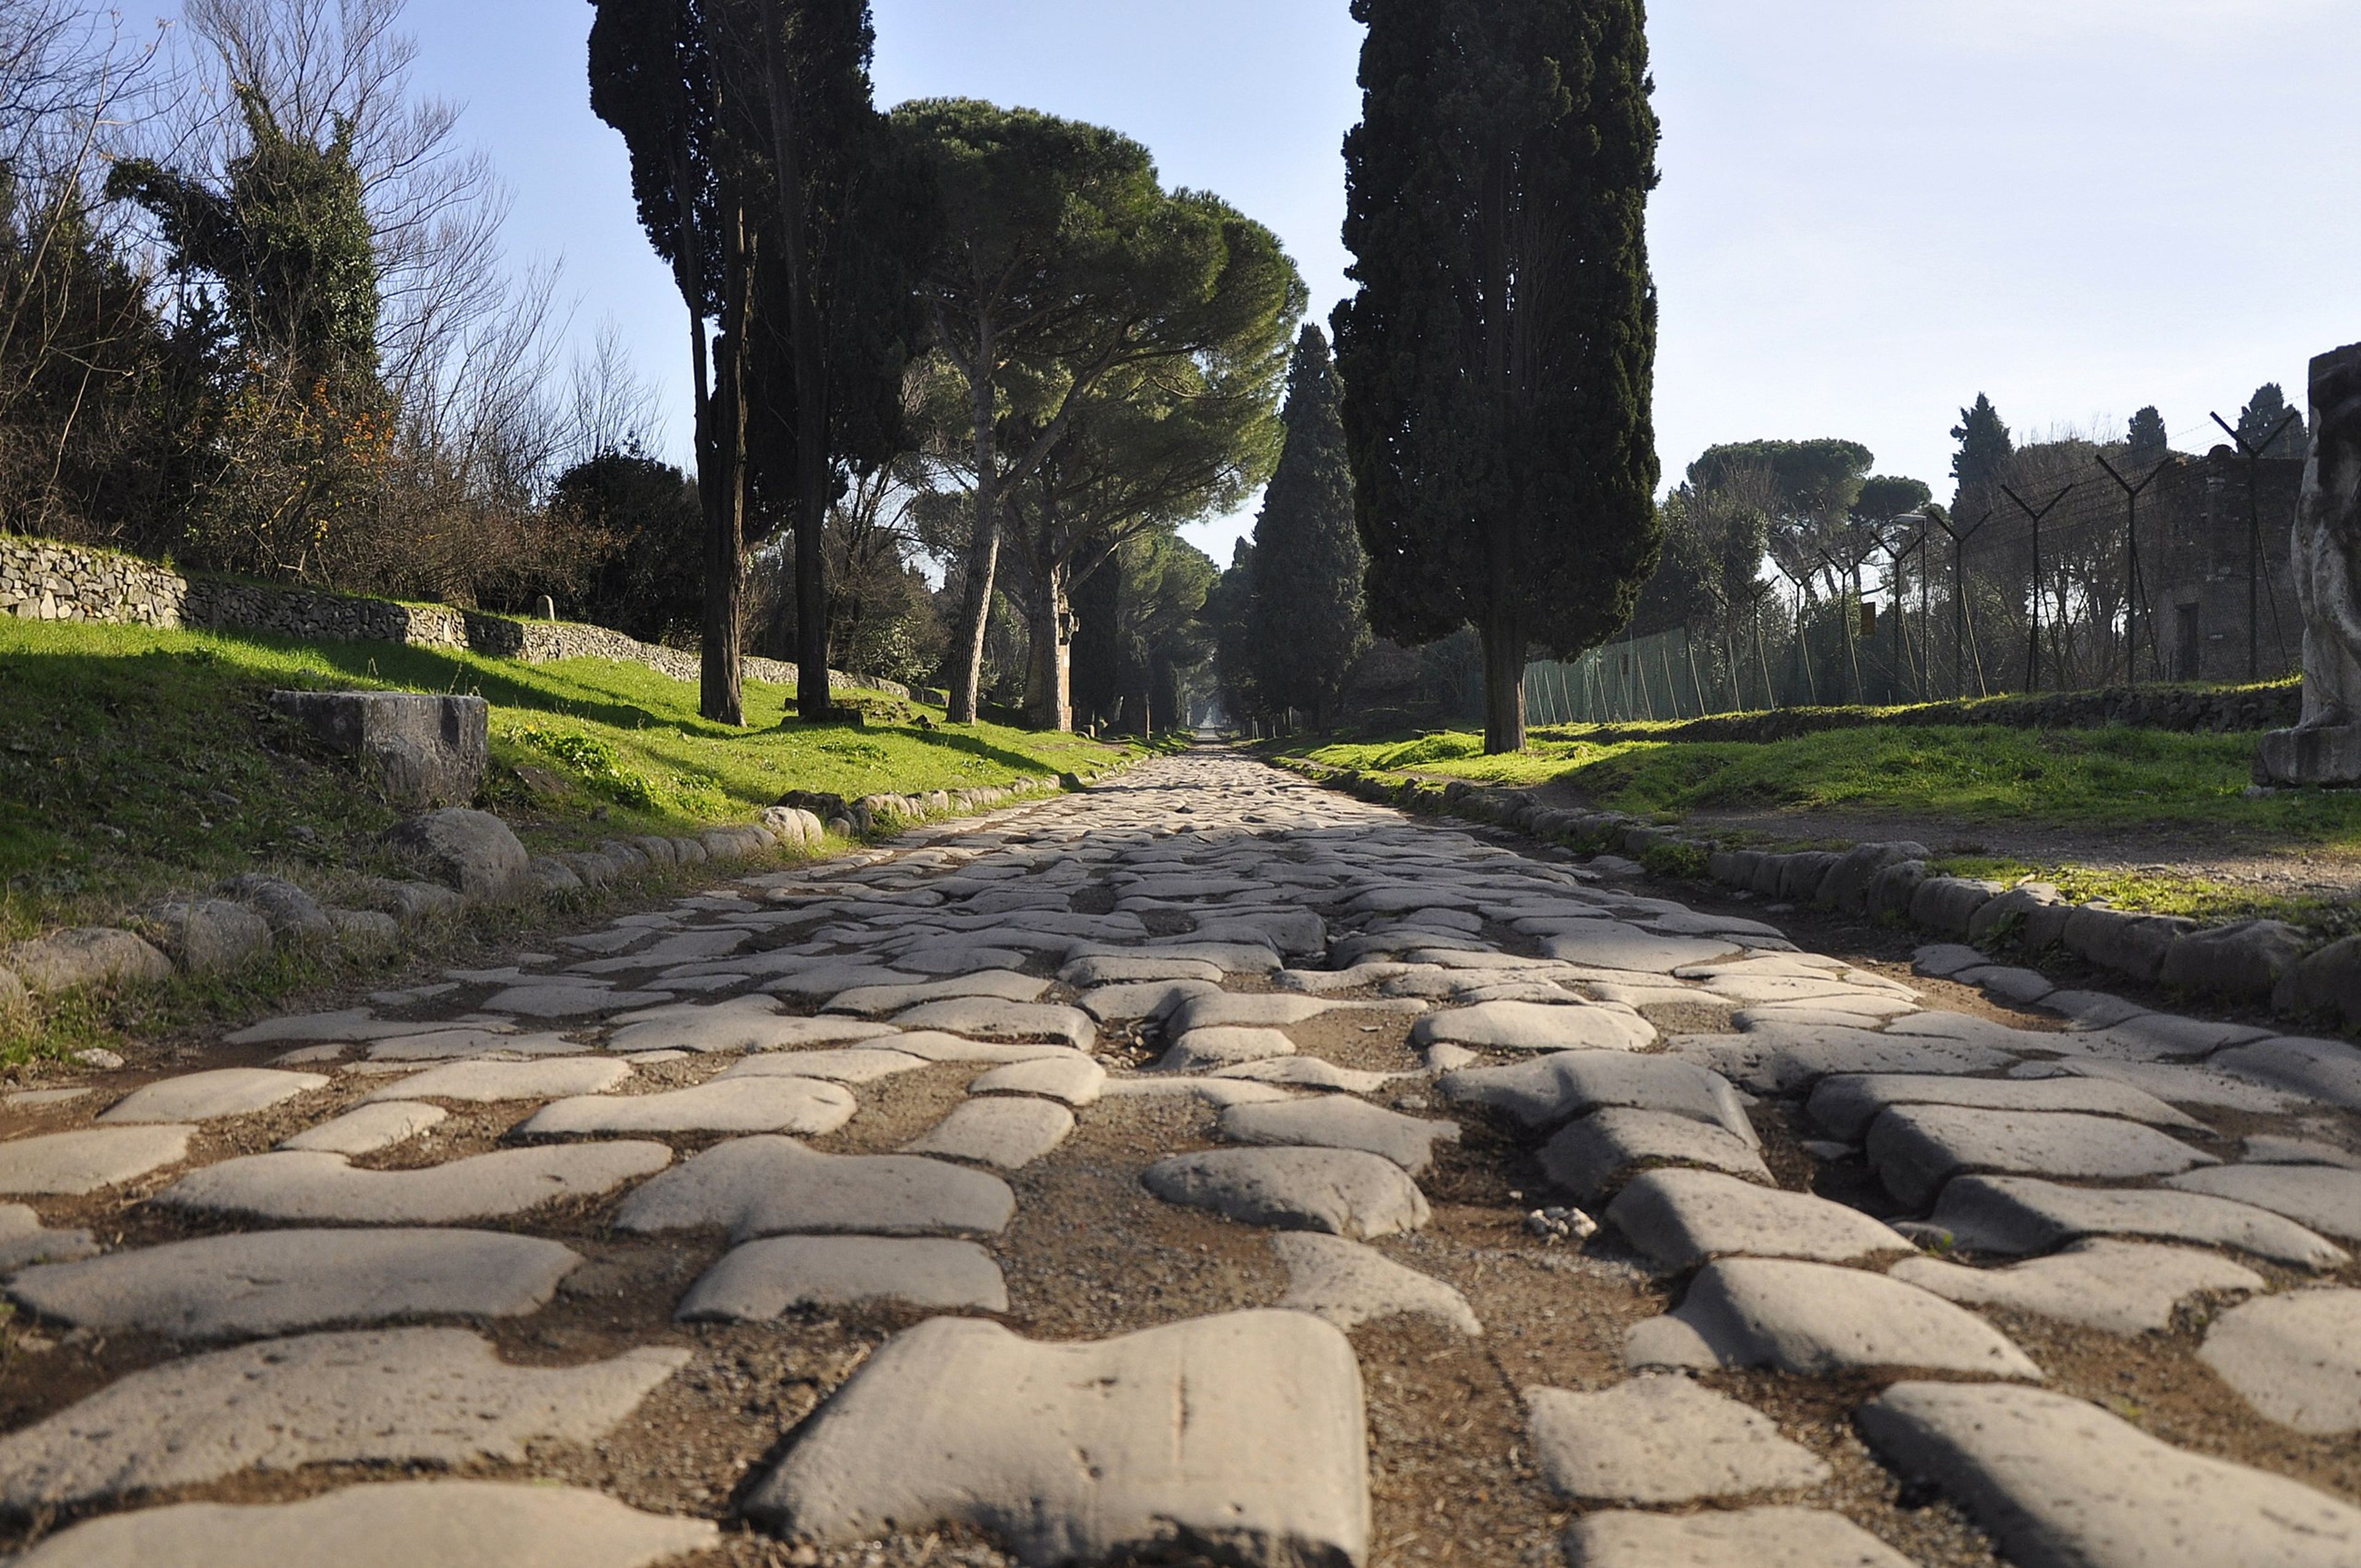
(203, 1096)
(1119, 969)
(71, 1164)
(2161, 1036)
(1536, 1026)
(1009, 1131)
(2061, 1484)
(806, 1107)
(2124, 1287)
(765, 1280)
(1617, 945)
(959, 960)
(1227, 1010)
(1311, 1072)
(2175, 1085)
(1219, 1093)
(774, 1185)
(1143, 999)
(1551, 1090)
(1230, 958)
(2324, 1199)
(1916, 1148)
(1345, 1192)
(355, 1023)
(1349, 1285)
(283, 1281)
(2321, 1070)
(450, 1045)
(367, 1129)
(1660, 1439)
(991, 1018)
(934, 1045)
(1335, 1121)
(490, 1082)
(557, 1001)
(1075, 1080)
(1594, 1156)
(745, 1031)
(1813, 1319)
(389, 1397)
(2296, 1359)
(2268, 1148)
(857, 1065)
(408, 1524)
(23, 1240)
(1845, 1105)
(323, 1188)
(1790, 1059)
(2014, 1215)
(1223, 1046)
(823, 978)
(1240, 1435)
(1683, 1218)
(873, 1000)
(1742, 1538)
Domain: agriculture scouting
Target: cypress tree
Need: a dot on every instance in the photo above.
(2147, 440)
(1985, 448)
(1498, 359)
(1310, 621)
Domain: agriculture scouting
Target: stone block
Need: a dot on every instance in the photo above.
(210, 936)
(291, 910)
(2327, 981)
(2032, 911)
(89, 955)
(472, 853)
(415, 749)
(1950, 903)
(1891, 891)
(1845, 888)
(2328, 756)
(1801, 876)
(2249, 959)
(2118, 939)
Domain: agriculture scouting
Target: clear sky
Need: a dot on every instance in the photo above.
(1871, 209)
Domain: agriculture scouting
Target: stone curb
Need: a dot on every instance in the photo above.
(2250, 960)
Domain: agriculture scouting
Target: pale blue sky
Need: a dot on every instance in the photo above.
(1871, 209)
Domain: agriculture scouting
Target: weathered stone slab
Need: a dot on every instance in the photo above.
(773, 1186)
(366, 1129)
(1846, 1104)
(2296, 1359)
(2324, 1199)
(1144, 998)
(1593, 1158)
(413, 748)
(934, 1045)
(1311, 1072)
(1790, 1059)
(2061, 1484)
(24, 1240)
(208, 936)
(1660, 1439)
(875, 1001)
(1346, 1193)
(1332, 1121)
(1349, 1285)
(1227, 1010)
(71, 1164)
(1617, 945)
(1223, 1046)
(765, 1280)
(1006, 1130)
(560, 999)
(490, 1082)
(471, 852)
(2124, 1287)
(961, 1421)
(1116, 968)
(323, 1188)
(1812, 1318)
(1536, 1026)
(806, 1107)
(2175, 1085)
(87, 955)
(1916, 1148)
(351, 1024)
(408, 1524)
(458, 1044)
(742, 1024)
(857, 1064)
(1219, 1093)
(1738, 1537)
(2322, 1069)
(991, 1018)
(2013, 1215)
(283, 1281)
(1553, 1090)
(205, 1096)
(1072, 1079)
(1683, 1218)
(402, 1396)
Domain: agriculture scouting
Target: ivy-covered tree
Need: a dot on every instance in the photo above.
(1309, 615)
(1498, 359)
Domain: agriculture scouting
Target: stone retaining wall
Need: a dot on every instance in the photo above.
(43, 580)
(2186, 710)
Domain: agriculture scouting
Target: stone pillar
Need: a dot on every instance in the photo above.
(2324, 748)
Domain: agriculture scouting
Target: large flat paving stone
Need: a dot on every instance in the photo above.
(24, 1240)
(2124, 1287)
(1071, 1080)
(1121, 969)
(284, 1281)
(1007, 1131)
(1337, 1122)
(2320, 1070)
(321, 1188)
(489, 1082)
(1536, 1026)
(2014, 1215)
(1311, 1072)
(1346, 1193)
(405, 1524)
(1242, 1436)
(1617, 945)
(400, 1395)
(747, 1024)
(559, 999)
(1683, 1218)
(1916, 1148)
(1551, 1090)
(774, 1185)
(1847, 1104)
(851, 1063)
(2323, 1198)
(203, 1096)
(875, 1001)
(806, 1107)
(993, 1019)
(1594, 1158)
(1813, 1319)
(1349, 1285)
(1790, 1059)
(1738, 1537)
(765, 1280)
(467, 1040)
(351, 1024)
(2296, 1359)
(71, 1164)
(1660, 1439)
(1224, 1045)
(1143, 998)
(2061, 1484)
(934, 1045)
(368, 1128)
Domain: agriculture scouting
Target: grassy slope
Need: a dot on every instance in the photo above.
(133, 762)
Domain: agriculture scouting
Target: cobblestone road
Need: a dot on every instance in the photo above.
(1205, 1167)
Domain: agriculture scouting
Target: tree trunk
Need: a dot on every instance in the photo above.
(983, 547)
(722, 694)
(1504, 681)
(1049, 678)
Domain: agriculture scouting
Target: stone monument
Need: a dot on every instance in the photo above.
(2324, 748)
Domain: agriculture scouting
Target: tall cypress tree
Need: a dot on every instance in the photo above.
(1310, 619)
(1982, 461)
(1498, 360)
